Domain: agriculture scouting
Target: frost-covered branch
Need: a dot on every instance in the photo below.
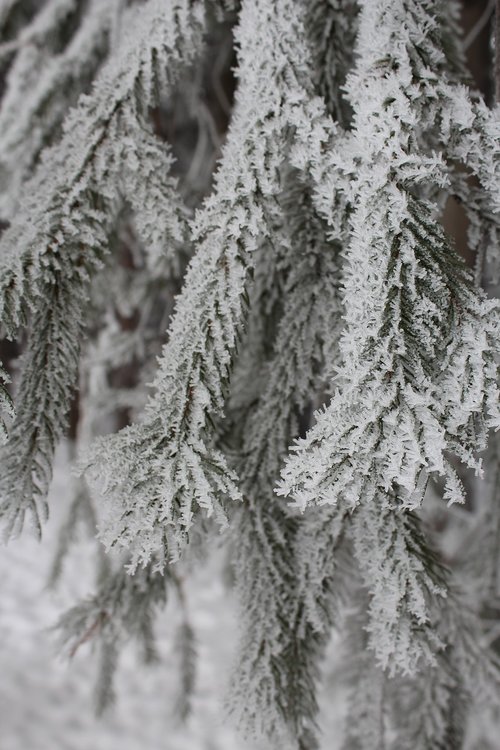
(160, 473)
(44, 81)
(283, 649)
(419, 379)
(122, 609)
(6, 404)
(59, 237)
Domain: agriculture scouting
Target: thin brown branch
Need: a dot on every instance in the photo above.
(90, 632)
(497, 52)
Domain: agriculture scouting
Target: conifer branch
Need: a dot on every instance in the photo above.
(49, 373)
(123, 608)
(6, 405)
(48, 260)
(159, 474)
(43, 82)
(279, 656)
(417, 330)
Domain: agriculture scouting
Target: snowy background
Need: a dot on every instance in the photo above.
(46, 701)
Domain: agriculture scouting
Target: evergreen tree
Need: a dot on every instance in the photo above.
(327, 371)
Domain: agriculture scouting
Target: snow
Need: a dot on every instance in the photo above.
(46, 701)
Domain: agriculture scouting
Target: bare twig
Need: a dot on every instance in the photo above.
(497, 52)
(90, 632)
(480, 23)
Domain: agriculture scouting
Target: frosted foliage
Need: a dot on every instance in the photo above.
(311, 299)
(365, 729)
(332, 27)
(72, 201)
(293, 329)
(437, 701)
(167, 468)
(50, 369)
(279, 654)
(419, 377)
(307, 334)
(160, 216)
(123, 608)
(41, 84)
(6, 405)
(75, 193)
(401, 582)
(432, 709)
